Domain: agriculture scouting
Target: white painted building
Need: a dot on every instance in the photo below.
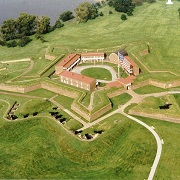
(92, 57)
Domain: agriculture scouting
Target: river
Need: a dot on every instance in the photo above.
(50, 8)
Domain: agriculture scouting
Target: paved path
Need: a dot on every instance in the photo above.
(110, 69)
(158, 141)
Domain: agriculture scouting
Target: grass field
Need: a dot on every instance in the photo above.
(157, 24)
(120, 100)
(168, 167)
(39, 148)
(150, 105)
(149, 89)
(53, 153)
(97, 73)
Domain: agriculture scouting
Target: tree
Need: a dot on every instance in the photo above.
(24, 41)
(101, 13)
(8, 29)
(86, 11)
(123, 17)
(179, 12)
(58, 24)
(151, 1)
(138, 2)
(43, 25)
(66, 16)
(12, 43)
(122, 5)
(26, 24)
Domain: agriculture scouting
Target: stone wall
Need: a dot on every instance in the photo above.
(88, 116)
(145, 83)
(59, 90)
(100, 112)
(12, 88)
(155, 116)
(32, 88)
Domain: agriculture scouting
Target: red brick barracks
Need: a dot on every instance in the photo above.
(72, 60)
(63, 69)
(78, 80)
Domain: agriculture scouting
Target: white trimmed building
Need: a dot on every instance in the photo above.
(92, 57)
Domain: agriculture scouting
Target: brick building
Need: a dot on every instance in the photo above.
(92, 57)
(125, 61)
(78, 80)
(130, 66)
(68, 63)
(126, 82)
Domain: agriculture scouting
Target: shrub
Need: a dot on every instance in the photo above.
(110, 12)
(58, 24)
(66, 16)
(11, 44)
(101, 13)
(123, 17)
(24, 41)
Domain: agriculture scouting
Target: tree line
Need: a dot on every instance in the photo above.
(17, 32)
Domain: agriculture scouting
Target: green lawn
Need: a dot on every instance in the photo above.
(97, 73)
(64, 101)
(34, 105)
(150, 105)
(149, 89)
(120, 100)
(73, 125)
(150, 24)
(169, 164)
(42, 93)
(177, 97)
(41, 149)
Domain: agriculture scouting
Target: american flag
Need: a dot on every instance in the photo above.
(121, 57)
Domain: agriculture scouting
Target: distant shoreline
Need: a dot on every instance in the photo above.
(12, 9)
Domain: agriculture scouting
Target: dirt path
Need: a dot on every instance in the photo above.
(91, 101)
(15, 61)
(25, 72)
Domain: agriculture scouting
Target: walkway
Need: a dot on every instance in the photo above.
(78, 70)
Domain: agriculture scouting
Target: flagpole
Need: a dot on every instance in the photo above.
(118, 64)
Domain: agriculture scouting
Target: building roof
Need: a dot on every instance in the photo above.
(128, 80)
(70, 59)
(92, 54)
(131, 61)
(122, 51)
(114, 84)
(78, 77)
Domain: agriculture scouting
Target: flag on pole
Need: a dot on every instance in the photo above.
(120, 56)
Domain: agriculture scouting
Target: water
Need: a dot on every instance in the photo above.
(50, 8)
